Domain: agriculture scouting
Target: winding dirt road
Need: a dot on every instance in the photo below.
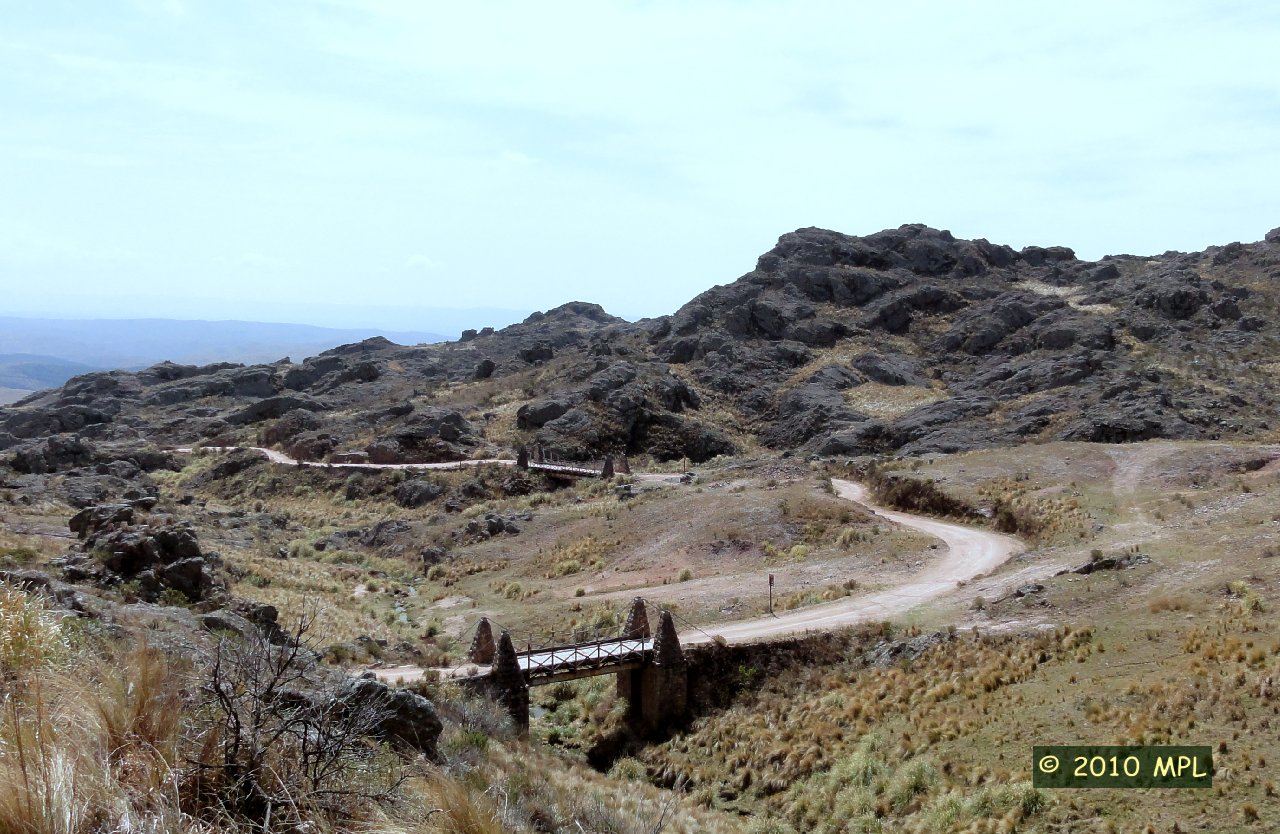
(970, 551)
(284, 460)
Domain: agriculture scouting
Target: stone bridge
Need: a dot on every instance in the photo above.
(651, 669)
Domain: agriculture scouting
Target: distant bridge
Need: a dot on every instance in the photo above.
(650, 669)
(536, 460)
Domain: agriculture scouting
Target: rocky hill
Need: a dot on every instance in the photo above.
(907, 341)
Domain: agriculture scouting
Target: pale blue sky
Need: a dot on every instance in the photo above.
(356, 162)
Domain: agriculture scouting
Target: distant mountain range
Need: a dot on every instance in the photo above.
(44, 353)
(32, 372)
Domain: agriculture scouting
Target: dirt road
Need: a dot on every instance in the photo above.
(281, 458)
(970, 551)
(284, 460)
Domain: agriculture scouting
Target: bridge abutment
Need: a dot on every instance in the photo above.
(658, 693)
(653, 678)
(507, 686)
(482, 649)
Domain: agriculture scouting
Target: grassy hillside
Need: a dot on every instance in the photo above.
(1118, 416)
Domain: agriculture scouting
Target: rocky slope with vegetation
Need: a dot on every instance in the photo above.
(906, 341)
(156, 597)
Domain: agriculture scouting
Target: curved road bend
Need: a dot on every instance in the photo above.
(970, 551)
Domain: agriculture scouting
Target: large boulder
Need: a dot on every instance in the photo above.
(53, 454)
(416, 492)
(1176, 294)
(405, 718)
(538, 414)
(89, 520)
(272, 408)
(889, 369)
(154, 557)
(24, 423)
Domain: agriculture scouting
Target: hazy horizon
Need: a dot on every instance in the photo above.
(446, 323)
(365, 162)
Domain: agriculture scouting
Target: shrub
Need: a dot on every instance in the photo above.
(17, 556)
(769, 825)
(267, 756)
(916, 495)
(31, 637)
(568, 567)
(1169, 603)
(1017, 519)
(913, 778)
(301, 549)
(628, 768)
(95, 740)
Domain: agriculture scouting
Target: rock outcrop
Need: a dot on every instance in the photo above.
(907, 341)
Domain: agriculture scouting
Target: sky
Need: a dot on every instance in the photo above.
(389, 163)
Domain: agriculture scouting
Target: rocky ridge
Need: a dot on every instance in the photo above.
(908, 341)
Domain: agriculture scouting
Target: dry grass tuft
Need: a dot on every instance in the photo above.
(886, 402)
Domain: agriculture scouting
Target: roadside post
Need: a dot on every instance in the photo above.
(770, 593)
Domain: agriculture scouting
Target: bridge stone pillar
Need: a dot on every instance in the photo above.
(658, 694)
(630, 682)
(482, 646)
(637, 624)
(507, 686)
(607, 471)
(522, 458)
(620, 463)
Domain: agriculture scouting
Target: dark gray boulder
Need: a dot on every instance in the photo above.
(90, 519)
(405, 718)
(187, 576)
(537, 353)
(890, 369)
(417, 492)
(538, 414)
(273, 407)
(53, 454)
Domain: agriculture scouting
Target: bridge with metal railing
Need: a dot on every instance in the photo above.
(650, 669)
(537, 460)
(584, 660)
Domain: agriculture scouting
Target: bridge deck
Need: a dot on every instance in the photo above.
(561, 663)
(558, 469)
(602, 655)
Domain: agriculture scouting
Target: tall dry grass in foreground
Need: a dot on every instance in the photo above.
(83, 747)
(97, 738)
(120, 736)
